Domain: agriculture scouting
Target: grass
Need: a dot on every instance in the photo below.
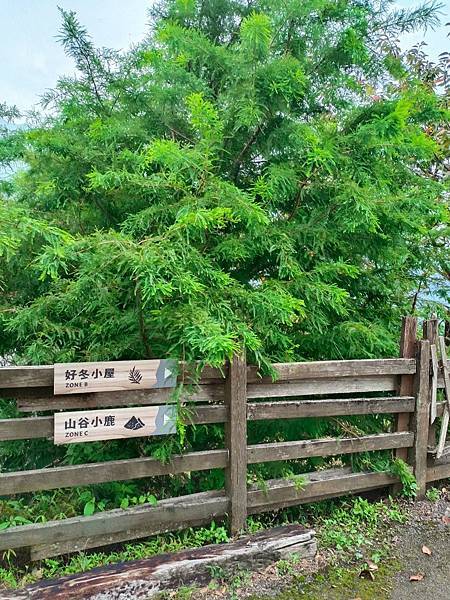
(357, 523)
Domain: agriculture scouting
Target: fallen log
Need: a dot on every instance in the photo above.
(143, 579)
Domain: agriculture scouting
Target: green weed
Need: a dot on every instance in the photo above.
(433, 494)
(355, 523)
(286, 566)
(401, 470)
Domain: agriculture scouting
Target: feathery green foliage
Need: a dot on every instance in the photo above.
(265, 174)
(229, 182)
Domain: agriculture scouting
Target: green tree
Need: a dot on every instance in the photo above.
(253, 174)
(266, 173)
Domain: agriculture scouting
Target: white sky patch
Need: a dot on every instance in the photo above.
(437, 40)
(32, 60)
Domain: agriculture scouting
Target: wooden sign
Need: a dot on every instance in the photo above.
(113, 424)
(81, 378)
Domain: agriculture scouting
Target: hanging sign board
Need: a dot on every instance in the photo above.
(113, 424)
(81, 378)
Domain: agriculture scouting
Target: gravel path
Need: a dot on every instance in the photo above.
(429, 526)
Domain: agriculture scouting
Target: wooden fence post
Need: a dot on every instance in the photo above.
(422, 417)
(430, 330)
(430, 333)
(406, 388)
(236, 442)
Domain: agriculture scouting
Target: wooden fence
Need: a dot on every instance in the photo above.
(234, 396)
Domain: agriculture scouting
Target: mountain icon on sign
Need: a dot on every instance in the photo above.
(134, 424)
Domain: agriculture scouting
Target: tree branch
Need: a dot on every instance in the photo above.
(142, 328)
(238, 160)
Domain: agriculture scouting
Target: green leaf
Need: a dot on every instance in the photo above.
(89, 508)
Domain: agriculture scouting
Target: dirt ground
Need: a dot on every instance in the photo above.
(416, 566)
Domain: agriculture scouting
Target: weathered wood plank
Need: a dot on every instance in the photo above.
(63, 546)
(337, 368)
(46, 401)
(260, 453)
(205, 375)
(24, 429)
(116, 470)
(430, 333)
(147, 578)
(443, 432)
(446, 414)
(445, 370)
(434, 381)
(295, 409)
(123, 470)
(421, 417)
(211, 393)
(204, 506)
(281, 493)
(42, 376)
(430, 330)
(37, 427)
(236, 442)
(438, 469)
(11, 377)
(42, 427)
(315, 387)
(440, 406)
(202, 415)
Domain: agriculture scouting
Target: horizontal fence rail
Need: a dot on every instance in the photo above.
(34, 399)
(233, 395)
(114, 470)
(331, 407)
(42, 427)
(262, 453)
(137, 468)
(81, 533)
(19, 377)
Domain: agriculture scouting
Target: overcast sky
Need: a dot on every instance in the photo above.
(32, 59)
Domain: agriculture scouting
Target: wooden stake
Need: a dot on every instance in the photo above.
(446, 416)
(434, 383)
(236, 441)
(430, 330)
(430, 333)
(443, 433)
(445, 370)
(421, 421)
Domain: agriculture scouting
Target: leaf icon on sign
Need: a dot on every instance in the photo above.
(135, 376)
